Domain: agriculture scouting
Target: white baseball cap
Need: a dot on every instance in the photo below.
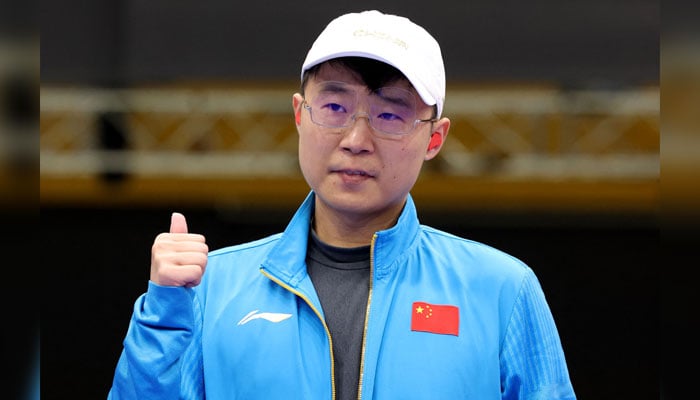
(388, 38)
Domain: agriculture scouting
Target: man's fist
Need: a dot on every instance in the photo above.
(178, 258)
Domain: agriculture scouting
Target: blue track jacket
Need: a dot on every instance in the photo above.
(254, 328)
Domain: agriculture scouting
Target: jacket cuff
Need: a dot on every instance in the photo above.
(166, 306)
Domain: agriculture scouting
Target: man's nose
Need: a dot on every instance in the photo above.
(358, 138)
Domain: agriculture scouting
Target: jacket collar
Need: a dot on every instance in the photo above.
(287, 259)
(393, 245)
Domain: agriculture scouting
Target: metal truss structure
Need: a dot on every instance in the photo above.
(502, 140)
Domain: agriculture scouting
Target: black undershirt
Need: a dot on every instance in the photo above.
(341, 279)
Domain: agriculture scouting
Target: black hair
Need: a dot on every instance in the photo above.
(373, 73)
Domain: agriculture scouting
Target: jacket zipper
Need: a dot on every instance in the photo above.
(369, 302)
(323, 322)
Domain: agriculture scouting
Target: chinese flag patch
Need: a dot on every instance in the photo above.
(434, 318)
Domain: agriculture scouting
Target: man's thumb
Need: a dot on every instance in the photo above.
(178, 224)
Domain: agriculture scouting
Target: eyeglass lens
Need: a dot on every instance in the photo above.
(391, 109)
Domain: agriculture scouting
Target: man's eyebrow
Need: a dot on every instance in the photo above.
(335, 87)
(399, 100)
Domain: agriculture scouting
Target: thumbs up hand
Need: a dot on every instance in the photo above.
(178, 258)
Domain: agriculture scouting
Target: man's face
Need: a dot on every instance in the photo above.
(356, 170)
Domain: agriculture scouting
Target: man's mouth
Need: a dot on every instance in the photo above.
(355, 172)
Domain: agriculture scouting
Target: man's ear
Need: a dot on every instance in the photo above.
(435, 141)
(437, 138)
(297, 102)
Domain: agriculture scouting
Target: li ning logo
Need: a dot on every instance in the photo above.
(268, 316)
(382, 36)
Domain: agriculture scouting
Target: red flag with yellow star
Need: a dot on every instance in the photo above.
(435, 318)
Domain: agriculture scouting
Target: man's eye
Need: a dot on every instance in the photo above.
(335, 107)
(389, 117)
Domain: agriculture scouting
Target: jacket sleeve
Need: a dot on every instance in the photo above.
(161, 357)
(533, 365)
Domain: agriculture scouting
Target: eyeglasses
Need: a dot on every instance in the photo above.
(392, 110)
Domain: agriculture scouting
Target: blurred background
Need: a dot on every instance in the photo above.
(553, 156)
(19, 197)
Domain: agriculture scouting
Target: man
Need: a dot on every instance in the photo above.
(355, 299)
